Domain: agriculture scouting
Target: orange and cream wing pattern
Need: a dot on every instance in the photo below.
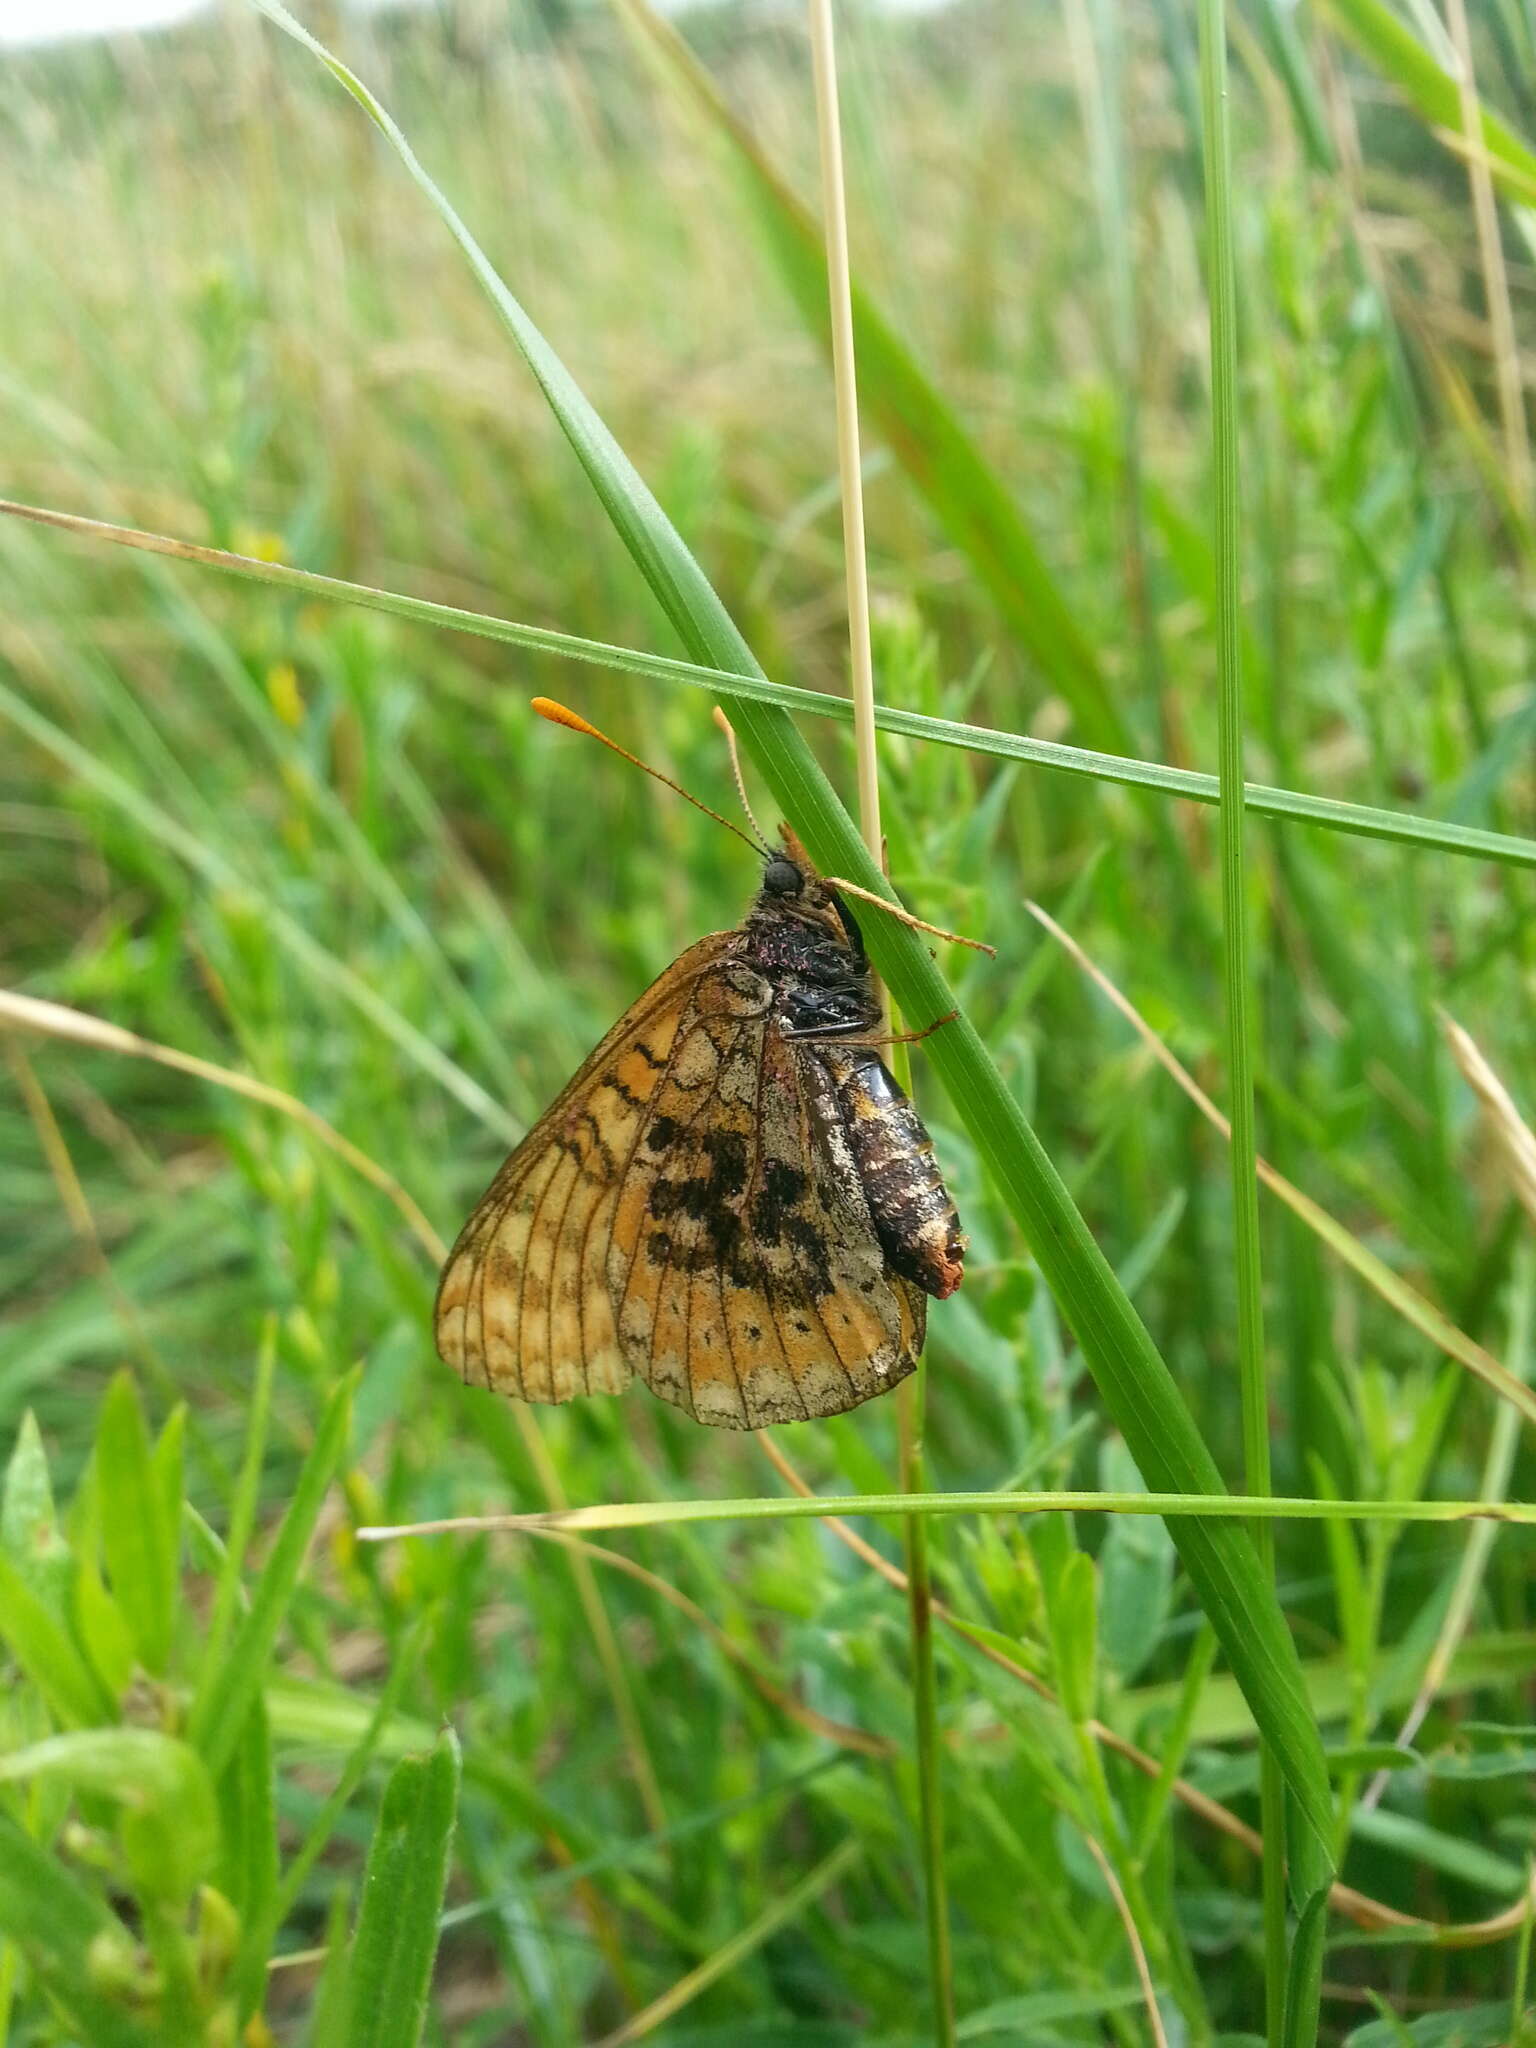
(523, 1305)
(747, 1280)
(688, 1210)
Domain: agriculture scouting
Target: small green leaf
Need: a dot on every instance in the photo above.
(1304, 1974)
(1075, 1636)
(248, 1850)
(170, 1822)
(29, 1529)
(139, 1543)
(100, 1626)
(396, 1942)
(48, 1656)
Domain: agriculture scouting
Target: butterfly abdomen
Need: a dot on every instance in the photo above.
(913, 1215)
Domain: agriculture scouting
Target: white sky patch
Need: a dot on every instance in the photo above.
(50, 21)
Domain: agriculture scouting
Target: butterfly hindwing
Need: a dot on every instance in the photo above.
(523, 1306)
(747, 1280)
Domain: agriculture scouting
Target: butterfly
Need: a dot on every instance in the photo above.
(732, 1199)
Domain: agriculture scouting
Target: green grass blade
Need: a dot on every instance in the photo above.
(1365, 820)
(229, 1686)
(1133, 1379)
(203, 859)
(1243, 1137)
(47, 1653)
(140, 1542)
(961, 488)
(1399, 55)
(396, 1941)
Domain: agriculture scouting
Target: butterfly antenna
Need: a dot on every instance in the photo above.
(559, 714)
(903, 916)
(729, 730)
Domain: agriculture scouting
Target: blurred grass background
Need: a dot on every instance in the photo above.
(285, 837)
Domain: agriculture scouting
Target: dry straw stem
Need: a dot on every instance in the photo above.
(1377, 1275)
(1128, 1922)
(1501, 319)
(1512, 1134)
(56, 1020)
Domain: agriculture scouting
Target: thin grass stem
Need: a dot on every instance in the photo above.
(1367, 821)
(910, 1395)
(1222, 288)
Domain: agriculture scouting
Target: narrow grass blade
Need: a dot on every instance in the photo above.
(960, 486)
(1236, 998)
(740, 1946)
(1133, 1378)
(396, 1941)
(204, 860)
(47, 1654)
(228, 1687)
(140, 1543)
(1375, 1272)
(1218, 1506)
(1367, 821)
(1399, 55)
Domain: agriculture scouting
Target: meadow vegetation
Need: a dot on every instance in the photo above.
(261, 1781)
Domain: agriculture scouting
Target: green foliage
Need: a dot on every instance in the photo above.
(324, 846)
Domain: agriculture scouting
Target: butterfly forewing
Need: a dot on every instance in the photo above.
(523, 1306)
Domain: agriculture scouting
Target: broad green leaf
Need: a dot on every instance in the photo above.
(170, 1821)
(29, 1529)
(1472, 2026)
(228, 1686)
(80, 1952)
(139, 1542)
(1426, 1847)
(396, 1941)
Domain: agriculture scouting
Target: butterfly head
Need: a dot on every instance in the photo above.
(792, 890)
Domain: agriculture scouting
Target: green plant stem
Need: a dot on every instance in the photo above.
(1222, 288)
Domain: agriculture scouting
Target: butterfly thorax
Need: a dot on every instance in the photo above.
(805, 943)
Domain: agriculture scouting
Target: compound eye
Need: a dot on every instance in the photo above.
(782, 878)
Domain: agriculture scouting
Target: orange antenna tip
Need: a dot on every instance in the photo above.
(560, 714)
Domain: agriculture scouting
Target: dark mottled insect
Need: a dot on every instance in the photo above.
(732, 1198)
